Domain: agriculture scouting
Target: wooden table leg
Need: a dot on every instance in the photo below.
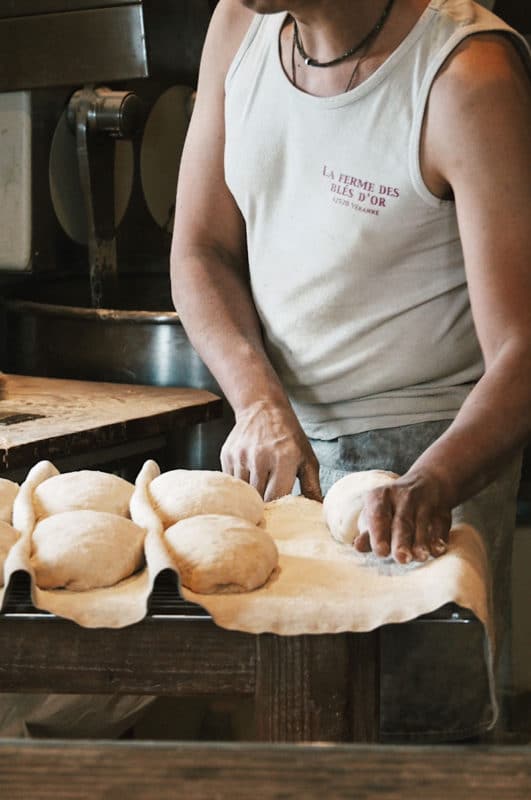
(317, 688)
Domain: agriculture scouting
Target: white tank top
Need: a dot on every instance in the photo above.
(356, 269)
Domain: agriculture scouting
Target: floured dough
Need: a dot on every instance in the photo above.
(8, 492)
(216, 553)
(87, 489)
(344, 501)
(8, 537)
(82, 550)
(185, 493)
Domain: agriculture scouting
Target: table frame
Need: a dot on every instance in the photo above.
(305, 688)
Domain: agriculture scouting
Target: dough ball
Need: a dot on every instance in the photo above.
(87, 490)
(82, 550)
(185, 493)
(215, 553)
(8, 537)
(344, 501)
(8, 492)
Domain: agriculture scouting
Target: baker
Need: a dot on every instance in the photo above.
(385, 327)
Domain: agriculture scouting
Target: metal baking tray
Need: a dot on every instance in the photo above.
(166, 601)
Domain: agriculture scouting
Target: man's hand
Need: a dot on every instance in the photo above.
(268, 449)
(408, 519)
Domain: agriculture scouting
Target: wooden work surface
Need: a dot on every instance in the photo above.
(305, 688)
(109, 771)
(75, 416)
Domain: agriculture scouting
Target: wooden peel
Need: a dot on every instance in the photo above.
(2, 386)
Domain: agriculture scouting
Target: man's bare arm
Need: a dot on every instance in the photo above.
(211, 291)
(477, 145)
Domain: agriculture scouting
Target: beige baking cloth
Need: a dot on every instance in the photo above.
(324, 587)
(320, 586)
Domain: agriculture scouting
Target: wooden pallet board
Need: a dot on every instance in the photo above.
(107, 770)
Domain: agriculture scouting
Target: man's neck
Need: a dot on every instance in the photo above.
(329, 27)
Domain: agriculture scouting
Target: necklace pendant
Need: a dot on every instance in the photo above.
(367, 39)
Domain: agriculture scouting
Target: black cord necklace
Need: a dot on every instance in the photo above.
(313, 62)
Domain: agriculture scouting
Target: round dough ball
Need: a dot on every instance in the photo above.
(185, 493)
(215, 553)
(82, 550)
(8, 537)
(8, 492)
(87, 490)
(344, 501)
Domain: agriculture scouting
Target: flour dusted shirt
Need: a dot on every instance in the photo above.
(356, 269)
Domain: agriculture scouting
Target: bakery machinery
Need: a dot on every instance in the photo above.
(95, 98)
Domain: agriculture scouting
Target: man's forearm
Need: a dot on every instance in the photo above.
(267, 446)
(216, 308)
(493, 424)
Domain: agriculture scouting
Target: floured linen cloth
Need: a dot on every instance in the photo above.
(320, 586)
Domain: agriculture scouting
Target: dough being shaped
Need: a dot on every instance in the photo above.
(214, 553)
(8, 492)
(82, 550)
(87, 490)
(185, 493)
(8, 537)
(344, 501)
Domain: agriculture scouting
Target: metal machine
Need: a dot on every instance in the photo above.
(95, 98)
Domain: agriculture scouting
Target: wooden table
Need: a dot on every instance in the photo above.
(77, 424)
(305, 688)
(315, 688)
(138, 771)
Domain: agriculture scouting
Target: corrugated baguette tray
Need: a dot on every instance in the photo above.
(165, 601)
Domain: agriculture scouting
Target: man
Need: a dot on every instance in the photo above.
(474, 156)
(351, 257)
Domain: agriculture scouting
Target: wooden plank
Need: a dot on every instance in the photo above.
(157, 656)
(80, 416)
(109, 770)
(364, 674)
(304, 688)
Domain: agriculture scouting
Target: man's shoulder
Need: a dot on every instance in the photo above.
(479, 109)
(233, 12)
(481, 66)
(230, 22)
